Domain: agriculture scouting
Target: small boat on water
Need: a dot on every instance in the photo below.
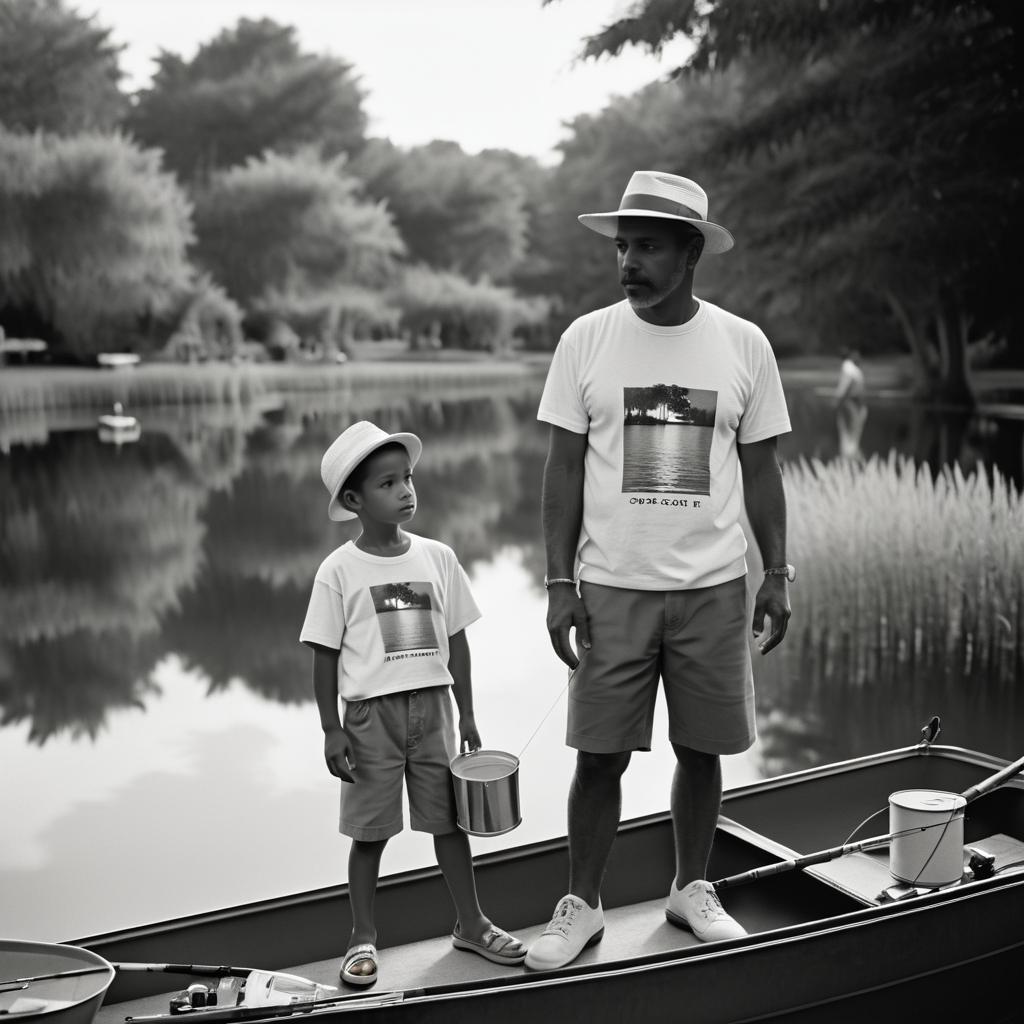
(118, 428)
(117, 360)
(838, 930)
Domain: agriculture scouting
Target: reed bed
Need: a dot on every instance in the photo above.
(906, 571)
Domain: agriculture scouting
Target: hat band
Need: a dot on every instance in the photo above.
(642, 201)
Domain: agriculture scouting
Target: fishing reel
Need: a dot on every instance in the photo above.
(195, 997)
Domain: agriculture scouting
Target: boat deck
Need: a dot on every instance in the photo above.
(632, 931)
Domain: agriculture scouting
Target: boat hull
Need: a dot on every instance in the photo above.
(824, 943)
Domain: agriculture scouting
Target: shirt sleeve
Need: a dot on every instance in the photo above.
(325, 616)
(462, 610)
(561, 402)
(766, 414)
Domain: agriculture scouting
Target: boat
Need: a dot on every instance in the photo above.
(834, 935)
(117, 360)
(118, 428)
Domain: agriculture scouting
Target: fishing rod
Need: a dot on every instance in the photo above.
(821, 856)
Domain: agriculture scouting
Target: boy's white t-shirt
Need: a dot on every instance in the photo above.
(663, 408)
(390, 618)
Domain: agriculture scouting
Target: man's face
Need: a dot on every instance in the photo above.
(655, 257)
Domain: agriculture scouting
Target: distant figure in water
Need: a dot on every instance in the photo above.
(851, 407)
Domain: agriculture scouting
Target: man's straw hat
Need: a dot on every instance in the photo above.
(667, 197)
(348, 450)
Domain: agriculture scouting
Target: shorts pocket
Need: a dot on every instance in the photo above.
(356, 712)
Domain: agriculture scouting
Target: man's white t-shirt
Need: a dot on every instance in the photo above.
(663, 408)
(390, 618)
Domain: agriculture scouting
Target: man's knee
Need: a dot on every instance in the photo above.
(601, 767)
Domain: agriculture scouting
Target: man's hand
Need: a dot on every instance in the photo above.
(338, 754)
(565, 612)
(772, 601)
(468, 735)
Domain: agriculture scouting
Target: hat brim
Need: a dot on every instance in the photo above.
(716, 238)
(412, 444)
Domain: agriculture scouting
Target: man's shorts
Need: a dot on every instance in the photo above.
(410, 737)
(694, 640)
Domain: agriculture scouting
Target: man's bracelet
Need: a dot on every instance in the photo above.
(548, 584)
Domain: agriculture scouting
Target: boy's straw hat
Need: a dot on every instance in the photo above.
(667, 197)
(348, 450)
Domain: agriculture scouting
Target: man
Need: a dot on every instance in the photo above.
(659, 406)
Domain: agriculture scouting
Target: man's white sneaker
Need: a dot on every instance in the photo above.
(696, 907)
(574, 927)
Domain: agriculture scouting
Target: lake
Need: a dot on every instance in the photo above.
(160, 748)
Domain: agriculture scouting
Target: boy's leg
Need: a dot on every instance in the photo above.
(455, 860)
(363, 871)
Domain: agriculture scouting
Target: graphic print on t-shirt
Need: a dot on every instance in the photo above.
(667, 431)
(404, 618)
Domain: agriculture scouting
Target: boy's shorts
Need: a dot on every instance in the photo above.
(695, 640)
(406, 736)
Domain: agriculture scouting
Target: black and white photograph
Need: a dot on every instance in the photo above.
(403, 615)
(669, 352)
(666, 439)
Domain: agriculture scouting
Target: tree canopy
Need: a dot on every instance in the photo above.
(248, 90)
(95, 237)
(873, 166)
(455, 211)
(58, 70)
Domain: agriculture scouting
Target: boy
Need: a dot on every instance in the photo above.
(386, 623)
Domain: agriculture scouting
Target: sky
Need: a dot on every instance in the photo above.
(484, 73)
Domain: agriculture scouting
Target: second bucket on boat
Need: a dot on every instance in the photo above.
(486, 792)
(930, 850)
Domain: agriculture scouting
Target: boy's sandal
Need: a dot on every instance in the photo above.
(364, 953)
(497, 946)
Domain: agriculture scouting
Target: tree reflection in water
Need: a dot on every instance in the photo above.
(202, 539)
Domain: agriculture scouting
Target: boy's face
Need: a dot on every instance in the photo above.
(386, 494)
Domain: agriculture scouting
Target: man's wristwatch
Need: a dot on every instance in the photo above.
(789, 571)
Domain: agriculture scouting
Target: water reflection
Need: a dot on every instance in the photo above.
(181, 564)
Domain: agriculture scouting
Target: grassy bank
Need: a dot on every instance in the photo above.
(40, 389)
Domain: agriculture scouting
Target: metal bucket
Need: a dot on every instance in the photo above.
(486, 792)
(68, 1000)
(934, 856)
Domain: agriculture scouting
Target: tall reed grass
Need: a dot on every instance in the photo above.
(906, 571)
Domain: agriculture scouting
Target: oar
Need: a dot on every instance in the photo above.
(985, 786)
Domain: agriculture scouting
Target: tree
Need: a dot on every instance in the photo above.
(287, 233)
(94, 241)
(455, 211)
(58, 71)
(248, 90)
(876, 161)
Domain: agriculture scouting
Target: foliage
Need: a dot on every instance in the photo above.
(58, 71)
(903, 567)
(95, 237)
(248, 90)
(665, 125)
(446, 309)
(207, 325)
(456, 212)
(292, 226)
(876, 139)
